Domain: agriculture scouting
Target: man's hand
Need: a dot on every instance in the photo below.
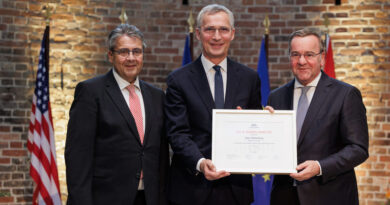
(306, 170)
(208, 169)
(269, 108)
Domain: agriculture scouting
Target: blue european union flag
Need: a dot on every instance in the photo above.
(262, 183)
(262, 70)
(187, 52)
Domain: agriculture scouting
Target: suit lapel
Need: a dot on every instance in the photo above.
(319, 97)
(147, 98)
(232, 84)
(116, 96)
(201, 84)
(289, 96)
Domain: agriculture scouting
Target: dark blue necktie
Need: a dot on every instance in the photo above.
(218, 88)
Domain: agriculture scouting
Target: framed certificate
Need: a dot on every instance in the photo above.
(254, 141)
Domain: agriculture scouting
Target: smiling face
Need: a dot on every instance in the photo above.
(215, 35)
(306, 69)
(127, 67)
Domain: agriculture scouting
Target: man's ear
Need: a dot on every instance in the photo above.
(233, 33)
(110, 55)
(323, 59)
(197, 33)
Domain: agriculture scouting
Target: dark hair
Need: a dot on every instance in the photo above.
(307, 32)
(124, 29)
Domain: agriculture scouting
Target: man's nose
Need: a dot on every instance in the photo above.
(217, 35)
(130, 56)
(302, 60)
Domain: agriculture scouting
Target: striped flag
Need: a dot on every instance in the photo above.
(41, 144)
(329, 63)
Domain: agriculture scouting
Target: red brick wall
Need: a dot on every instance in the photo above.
(361, 47)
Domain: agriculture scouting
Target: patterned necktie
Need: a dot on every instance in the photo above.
(303, 105)
(218, 88)
(136, 111)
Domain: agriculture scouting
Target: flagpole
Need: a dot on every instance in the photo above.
(123, 16)
(43, 167)
(326, 23)
(48, 14)
(191, 23)
(262, 183)
(266, 24)
(47, 41)
(329, 68)
(192, 45)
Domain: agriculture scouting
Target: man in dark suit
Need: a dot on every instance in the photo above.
(332, 133)
(116, 151)
(212, 81)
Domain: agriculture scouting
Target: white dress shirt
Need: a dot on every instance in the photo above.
(122, 83)
(210, 73)
(310, 92)
(297, 93)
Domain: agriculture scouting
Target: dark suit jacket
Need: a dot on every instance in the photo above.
(188, 108)
(103, 152)
(335, 133)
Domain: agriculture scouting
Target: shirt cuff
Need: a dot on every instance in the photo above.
(320, 174)
(198, 164)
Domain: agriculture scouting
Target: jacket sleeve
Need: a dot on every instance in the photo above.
(79, 146)
(255, 100)
(164, 166)
(178, 127)
(354, 134)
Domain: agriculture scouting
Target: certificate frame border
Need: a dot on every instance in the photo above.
(290, 113)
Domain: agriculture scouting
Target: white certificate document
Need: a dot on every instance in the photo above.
(254, 141)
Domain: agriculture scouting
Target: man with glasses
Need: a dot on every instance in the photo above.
(332, 133)
(116, 149)
(211, 81)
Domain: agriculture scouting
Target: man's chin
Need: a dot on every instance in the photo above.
(304, 80)
(218, 55)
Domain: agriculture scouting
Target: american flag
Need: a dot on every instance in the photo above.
(41, 142)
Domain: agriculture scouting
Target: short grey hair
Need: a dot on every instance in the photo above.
(124, 29)
(307, 32)
(213, 9)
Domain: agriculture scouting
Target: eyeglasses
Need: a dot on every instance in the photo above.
(125, 52)
(212, 30)
(307, 55)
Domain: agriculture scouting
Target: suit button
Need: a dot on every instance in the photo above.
(138, 175)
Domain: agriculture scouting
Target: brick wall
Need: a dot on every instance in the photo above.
(361, 47)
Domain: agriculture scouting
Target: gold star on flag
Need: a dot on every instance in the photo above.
(266, 177)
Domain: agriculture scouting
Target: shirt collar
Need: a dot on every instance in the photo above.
(313, 83)
(122, 83)
(207, 64)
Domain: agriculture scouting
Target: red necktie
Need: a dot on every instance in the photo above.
(136, 111)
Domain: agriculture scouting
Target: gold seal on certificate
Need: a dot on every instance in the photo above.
(254, 141)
